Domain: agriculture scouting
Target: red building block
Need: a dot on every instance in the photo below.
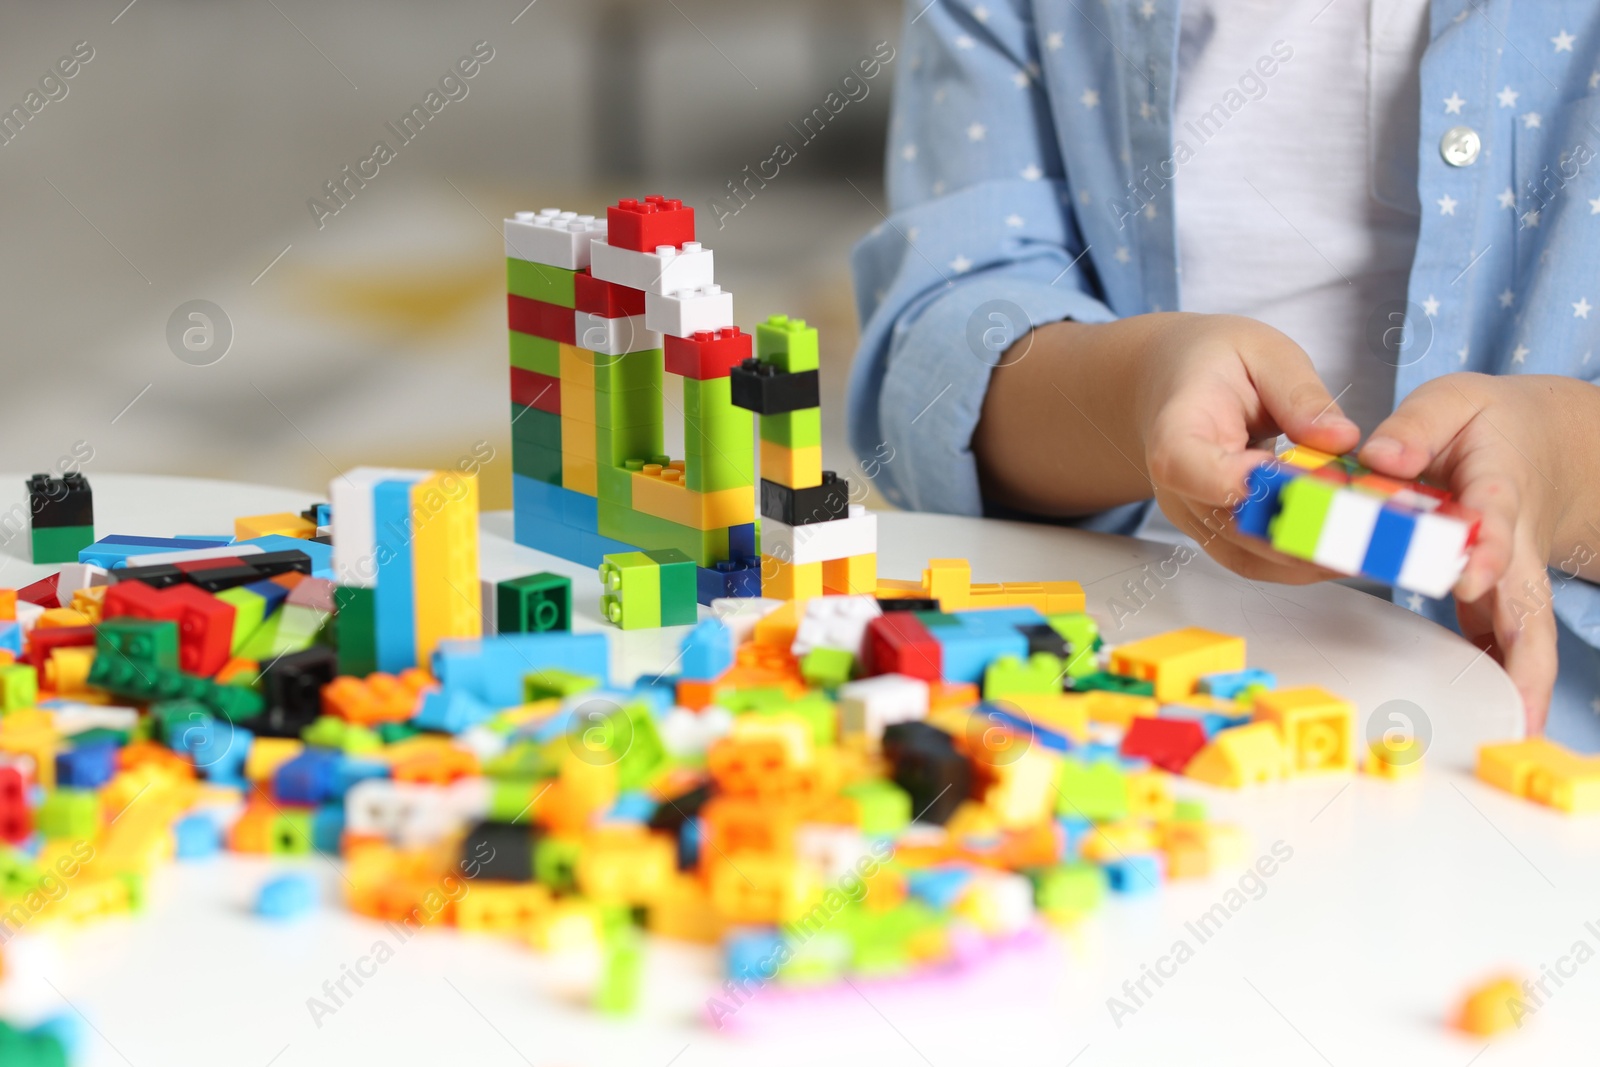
(898, 643)
(16, 820)
(43, 642)
(646, 226)
(541, 319)
(534, 390)
(205, 624)
(606, 299)
(43, 592)
(1168, 743)
(708, 354)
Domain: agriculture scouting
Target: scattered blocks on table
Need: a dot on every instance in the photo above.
(287, 896)
(1544, 772)
(534, 603)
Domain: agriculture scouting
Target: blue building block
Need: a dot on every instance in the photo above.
(659, 691)
(995, 712)
(965, 654)
(742, 541)
(1074, 829)
(579, 510)
(394, 598)
(353, 769)
(327, 828)
(690, 836)
(1391, 538)
(1213, 723)
(87, 766)
(323, 515)
(1135, 875)
(1231, 683)
(940, 887)
(321, 555)
(273, 593)
(990, 621)
(707, 651)
(1263, 485)
(745, 578)
(491, 669)
(197, 837)
(287, 896)
(114, 551)
(312, 777)
(219, 748)
(633, 806)
(752, 955)
(451, 712)
(11, 638)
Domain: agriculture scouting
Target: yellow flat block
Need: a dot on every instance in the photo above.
(1318, 728)
(1059, 713)
(444, 560)
(577, 366)
(1061, 597)
(1396, 760)
(1544, 772)
(790, 581)
(897, 589)
(286, 523)
(1174, 662)
(1306, 459)
(267, 754)
(851, 576)
(949, 581)
(661, 492)
(797, 468)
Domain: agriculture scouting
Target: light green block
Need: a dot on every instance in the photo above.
(630, 584)
(1082, 635)
(1096, 790)
(538, 354)
(1303, 508)
(536, 281)
(788, 344)
(635, 370)
(249, 611)
(794, 429)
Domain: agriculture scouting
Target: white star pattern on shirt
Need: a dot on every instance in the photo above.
(961, 264)
(1530, 219)
(1531, 121)
(1147, 9)
(1150, 211)
(1014, 221)
(1508, 198)
(1145, 110)
(977, 131)
(1447, 204)
(1595, 705)
(911, 234)
(1586, 356)
(1594, 206)
(1430, 306)
(1506, 298)
(1507, 97)
(1414, 602)
(1055, 41)
(938, 95)
(1563, 41)
(938, 188)
(1090, 98)
(1032, 173)
(1452, 104)
(908, 153)
(1121, 255)
(1594, 80)
(1021, 79)
(1084, 196)
(980, 13)
(1520, 354)
(1462, 352)
(964, 42)
(1581, 309)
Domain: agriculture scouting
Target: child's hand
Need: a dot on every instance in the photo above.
(1211, 387)
(1497, 444)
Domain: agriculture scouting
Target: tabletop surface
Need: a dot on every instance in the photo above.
(1383, 903)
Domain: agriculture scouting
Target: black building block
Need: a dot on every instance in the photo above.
(762, 388)
(927, 766)
(1043, 638)
(908, 604)
(798, 507)
(63, 501)
(500, 851)
(292, 686)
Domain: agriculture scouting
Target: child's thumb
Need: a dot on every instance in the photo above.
(1300, 404)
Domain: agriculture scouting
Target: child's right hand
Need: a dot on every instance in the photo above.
(1210, 388)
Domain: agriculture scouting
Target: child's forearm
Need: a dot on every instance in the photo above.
(1059, 433)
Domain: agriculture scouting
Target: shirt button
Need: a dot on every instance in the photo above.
(1460, 146)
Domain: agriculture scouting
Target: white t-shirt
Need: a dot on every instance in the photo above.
(1298, 205)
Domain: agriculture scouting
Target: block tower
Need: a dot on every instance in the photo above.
(405, 557)
(599, 311)
(814, 540)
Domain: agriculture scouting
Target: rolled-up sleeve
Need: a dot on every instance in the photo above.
(980, 245)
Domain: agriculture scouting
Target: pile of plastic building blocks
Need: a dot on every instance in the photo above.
(1338, 514)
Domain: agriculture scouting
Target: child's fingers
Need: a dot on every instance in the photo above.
(1247, 556)
(1190, 462)
(1496, 496)
(1525, 629)
(1297, 401)
(1408, 441)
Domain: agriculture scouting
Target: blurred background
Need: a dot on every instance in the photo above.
(178, 161)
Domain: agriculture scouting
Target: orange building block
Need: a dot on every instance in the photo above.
(754, 887)
(1244, 755)
(377, 698)
(1318, 728)
(625, 864)
(851, 576)
(683, 910)
(1544, 772)
(1493, 1008)
(782, 580)
(497, 908)
(1174, 662)
(284, 523)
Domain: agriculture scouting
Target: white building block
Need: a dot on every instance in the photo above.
(28, 614)
(614, 337)
(1347, 531)
(185, 555)
(688, 311)
(1000, 902)
(835, 850)
(741, 613)
(867, 706)
(355, 533)
(406, 813)
(1436, 556)
(817, 542)
(666, 270)
(834, 622)
(70, 717)
(76, 576)
(553, 237)
(688, 734)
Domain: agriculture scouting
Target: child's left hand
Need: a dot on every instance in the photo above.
(1500, 444)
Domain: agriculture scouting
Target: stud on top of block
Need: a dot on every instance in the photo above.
(708, 354)
(552, 237)
(645, 225)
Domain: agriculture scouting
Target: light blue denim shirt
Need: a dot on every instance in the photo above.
(1024, 129)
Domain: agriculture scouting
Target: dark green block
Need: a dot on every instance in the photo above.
(356, 628)
(535, 427)
(140, 642)
(536, 281)
(679, 585)
(533, 603)
(60, 544)
(1115, 683)
(536, 462)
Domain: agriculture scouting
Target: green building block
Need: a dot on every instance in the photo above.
(635, 370)
(249, 611)
(1095, 790)
(174, 719)
(884, 808)
(69, 813)
(18, 873)
(391, 732)
(140, 641)
(621, 973)
(1114, 683)
(1082, 635)
(1189, 811)
(356, 629)
(621, 523)
(678, 579)
(533, 604)
(101, 735)
(538, 354)
(60, 544)
(1008, 675)
(19, 687)
(353, 739)
(788, 344)
(820, 713)
(536, 462)
(534, 427)
(755, 698)
(511, 799)
(1069, 888)
(1302, 509)
(538, 281)
(630, 584)
(827, 667)
(821, 959)
(548, 682)
(151, 684)
(555, 862)
(291, 832)
(718, 438)
(38, 1048)
(794, 429)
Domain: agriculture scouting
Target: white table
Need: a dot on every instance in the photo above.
(1395, 899)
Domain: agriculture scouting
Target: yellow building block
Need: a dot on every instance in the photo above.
(1245, 755)
(1062, 597)
(1150, 796)
(1059, 713)
(625, 864)
(1394, 760)
(851, 576)
(1544, 772)
(1307, 459)
(777, 627)
(31, 732)
(1024, 790)
(1118, 709)
(572, 925)
(661, 492)
(759, 887)
(790, 581)
(577, 367)
(797, 468)
(267, 754)
(897, 589)
(1174, 662)
(949, 581)
(1318, 728)
(67, 669)
(1112, 841)
(446, 594)
(488, 908)
(1493, 1008)
(683, 911)
(285, 523)
(54, 618)
(90, 602)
